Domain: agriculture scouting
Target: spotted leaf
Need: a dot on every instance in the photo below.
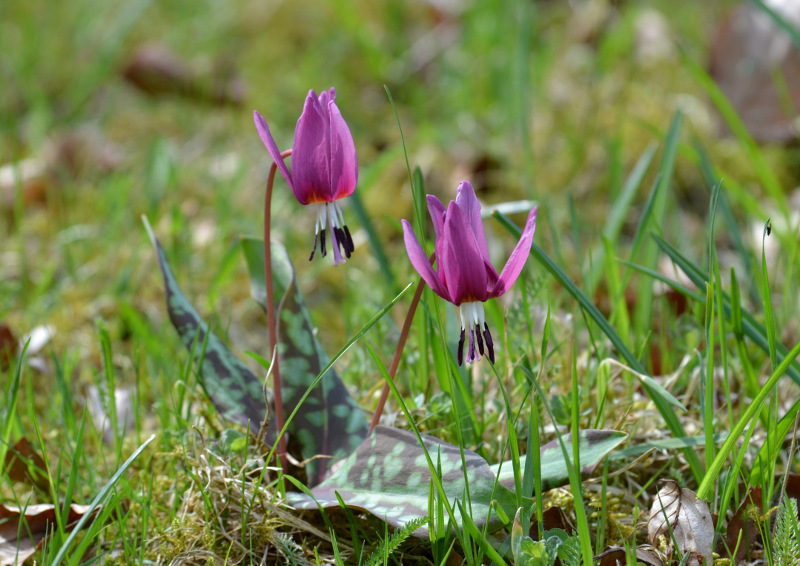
(594, 446)
(235, 391)
(329, 421)
(389, 477)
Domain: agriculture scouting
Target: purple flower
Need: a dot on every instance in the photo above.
(324, 166)
(466, 277)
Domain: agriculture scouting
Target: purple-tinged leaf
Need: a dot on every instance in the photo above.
(329, 422)
(235, 391)
(389, 477)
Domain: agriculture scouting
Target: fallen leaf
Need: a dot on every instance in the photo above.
(8, 347)
(553, 518)
(97, 403)
(615, 555)
(39, 337)
(23, 531)
(65, 155)
(749, 56)
(683, 519)
(157, 71)
(742, 521)
(24, 464)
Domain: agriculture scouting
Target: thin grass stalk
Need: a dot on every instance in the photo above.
(271, 321)
(401, 343)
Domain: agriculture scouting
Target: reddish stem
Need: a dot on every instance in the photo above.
(412, 309)
(271, 321)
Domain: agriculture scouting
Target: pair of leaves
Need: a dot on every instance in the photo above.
(389, 477)
(329, 422)
(387, 473)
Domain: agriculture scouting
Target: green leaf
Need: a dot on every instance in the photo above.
(751, 327)
(389, 477)
(237, 394)
(329, 422)
(595, 444)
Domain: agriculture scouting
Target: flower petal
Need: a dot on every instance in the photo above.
(344, 162)
(420, 262)
(311, 154)
(272, 147)
(468, 203)
(517, 259)
(437, 211)
(462, 262)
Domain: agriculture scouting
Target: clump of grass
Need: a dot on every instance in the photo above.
(230, 514)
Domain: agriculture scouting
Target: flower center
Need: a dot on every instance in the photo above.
(329, 215)
(473, 318)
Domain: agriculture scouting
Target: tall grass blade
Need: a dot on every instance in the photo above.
(751, 327)
(98, 500)
(663, 400)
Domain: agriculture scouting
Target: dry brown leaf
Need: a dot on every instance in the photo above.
(554, 518)
(21, 534)
(742, 521)
(749, 56)
(24, 464)
(97, 402)
(8, 347)
(614, 555)
(683, 519)
(157, 71)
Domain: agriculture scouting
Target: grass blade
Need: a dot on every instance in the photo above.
(98, 500)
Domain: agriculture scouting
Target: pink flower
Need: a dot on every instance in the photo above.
(324, 166)
(466, 277)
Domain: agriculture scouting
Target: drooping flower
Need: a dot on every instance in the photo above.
(465, 276)
(324, 167)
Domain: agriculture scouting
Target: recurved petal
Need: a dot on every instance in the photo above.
(420, 262)
(272, 147)
(462, 262)
(468, 203)
(344, 161)
(311, 154)
(518, 258)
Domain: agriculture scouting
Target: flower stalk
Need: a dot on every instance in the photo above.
(401, 343)
(272, 322)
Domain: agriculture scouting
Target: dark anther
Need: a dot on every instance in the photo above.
(314, 249)
(349, 240)
(480, 340)
(341, 242)
(322, 243)
(471, 354)
(461, 348)
(489, 343)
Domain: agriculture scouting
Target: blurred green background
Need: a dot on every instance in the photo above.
(529, 100)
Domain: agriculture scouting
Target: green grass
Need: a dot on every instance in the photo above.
(642, 264)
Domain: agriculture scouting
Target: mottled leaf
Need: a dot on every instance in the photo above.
(23, 530)
(389, 477)
(594, 446)
(329, 422)
(235, 391)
